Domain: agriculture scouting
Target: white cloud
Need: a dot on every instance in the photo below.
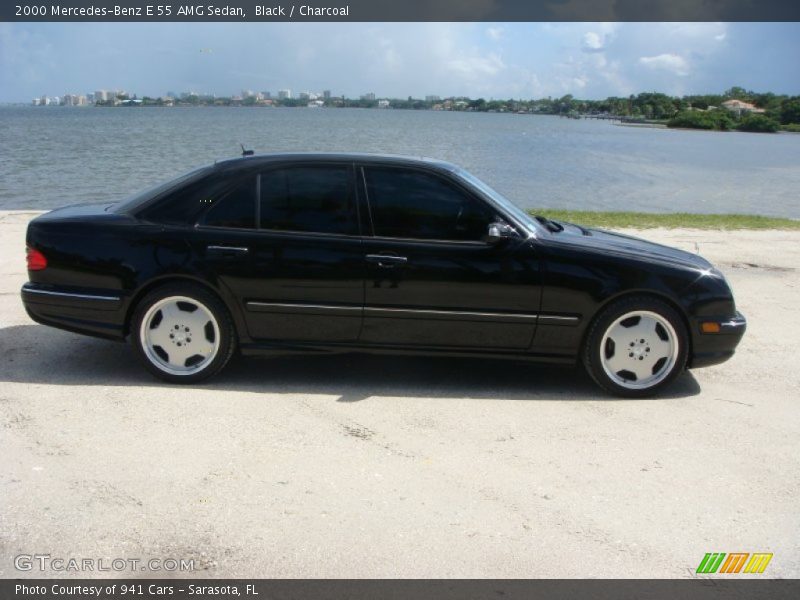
(592, 42)
(495, 33)
(477, 66)
(666, 62)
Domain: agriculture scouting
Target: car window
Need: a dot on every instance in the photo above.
(183, 206)
(312, 199)
(134, 203)
(412, 204)
(236, 207)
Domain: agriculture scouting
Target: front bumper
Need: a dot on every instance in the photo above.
(714, 348)
(89, 312)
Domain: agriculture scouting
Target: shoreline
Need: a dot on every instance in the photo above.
(619, 219)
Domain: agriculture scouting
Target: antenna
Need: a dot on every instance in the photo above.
(246, 152)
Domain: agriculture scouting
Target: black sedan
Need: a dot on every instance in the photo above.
(370, 253)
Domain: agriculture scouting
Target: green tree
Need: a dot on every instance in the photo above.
(758, 124)
(715, 119)
(790, 110)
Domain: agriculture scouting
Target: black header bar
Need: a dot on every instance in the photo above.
(399, 10)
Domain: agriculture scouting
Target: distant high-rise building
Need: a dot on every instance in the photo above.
(100, 96)
(326, 94)
(284, 94)
(305, 95)
(432, 98)
(370, 96)
(266, 95)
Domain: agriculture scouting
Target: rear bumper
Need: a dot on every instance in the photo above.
(714, 348)
(93, 313)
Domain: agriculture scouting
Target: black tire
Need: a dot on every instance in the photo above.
(216, 360)
(594, 347)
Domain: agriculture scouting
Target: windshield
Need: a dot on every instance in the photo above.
(132, 203)
(515, 211)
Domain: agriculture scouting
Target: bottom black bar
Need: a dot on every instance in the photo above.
(400, 589)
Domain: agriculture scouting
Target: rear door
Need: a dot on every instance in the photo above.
(286, 241)
(431, 279)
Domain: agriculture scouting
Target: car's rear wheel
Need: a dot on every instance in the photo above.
(183, 333)
(636, 347)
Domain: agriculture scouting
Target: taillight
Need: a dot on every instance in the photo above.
(36, 260)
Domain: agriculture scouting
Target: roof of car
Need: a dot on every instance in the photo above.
(364, 157)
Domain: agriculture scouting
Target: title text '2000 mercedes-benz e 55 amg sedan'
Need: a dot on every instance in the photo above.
(370, 253)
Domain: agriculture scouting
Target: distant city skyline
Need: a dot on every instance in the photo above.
(395, 60)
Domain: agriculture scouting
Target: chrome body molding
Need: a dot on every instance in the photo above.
(568, 320)
(31, 290)
(400, 313)
(299, 308)
(373, 311)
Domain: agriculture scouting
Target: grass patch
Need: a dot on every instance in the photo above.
(634, 220)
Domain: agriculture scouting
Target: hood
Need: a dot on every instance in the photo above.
(609, 242)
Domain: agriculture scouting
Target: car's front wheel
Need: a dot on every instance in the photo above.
(182, 333)
(636, 347)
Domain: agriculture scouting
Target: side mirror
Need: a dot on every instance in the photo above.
(498, 233)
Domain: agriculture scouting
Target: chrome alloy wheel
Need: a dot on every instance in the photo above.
(179, 335)
(639, 350)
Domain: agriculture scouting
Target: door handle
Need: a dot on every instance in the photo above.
(227, 250)
(386, 260)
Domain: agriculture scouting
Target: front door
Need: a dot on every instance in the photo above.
(431, 279)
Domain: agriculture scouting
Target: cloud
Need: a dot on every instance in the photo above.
(477, 66)
(667, 62)
(500, 60)
(592, 42)
(495, 33)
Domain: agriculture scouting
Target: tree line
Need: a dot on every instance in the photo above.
(700, 111)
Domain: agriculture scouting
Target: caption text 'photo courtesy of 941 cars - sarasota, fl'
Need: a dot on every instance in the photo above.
(370, 253)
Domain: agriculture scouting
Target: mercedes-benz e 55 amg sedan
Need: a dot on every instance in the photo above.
(370, 253)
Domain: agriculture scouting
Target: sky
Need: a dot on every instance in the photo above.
(397, 60)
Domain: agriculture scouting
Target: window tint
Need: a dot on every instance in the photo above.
(184, 206)
(236, 207)
(411, 204)
(314, 199)
(132, 204)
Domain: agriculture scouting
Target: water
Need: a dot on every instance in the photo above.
(55, 156)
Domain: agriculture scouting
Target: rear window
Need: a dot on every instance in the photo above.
(137, 201)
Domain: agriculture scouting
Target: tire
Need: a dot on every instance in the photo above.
(636, 347)
(182, 333)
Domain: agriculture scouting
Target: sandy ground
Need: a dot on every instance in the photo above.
(382, 467)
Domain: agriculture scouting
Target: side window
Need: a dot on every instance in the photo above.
(411, 204)
(185, 205)
(312, 199)
(235, 207)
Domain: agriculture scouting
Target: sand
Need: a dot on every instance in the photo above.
(384, 467)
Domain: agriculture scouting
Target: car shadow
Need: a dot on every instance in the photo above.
(42, 355)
